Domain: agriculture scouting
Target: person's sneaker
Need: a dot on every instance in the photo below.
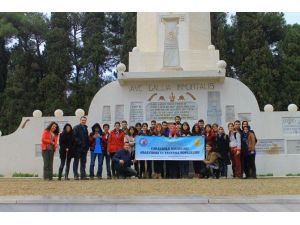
(108, 178)
(99, 177)
(76, 178)
(84, 178)
(59, 178)
(91, 178)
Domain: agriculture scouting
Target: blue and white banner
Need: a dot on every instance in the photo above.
(164, 148)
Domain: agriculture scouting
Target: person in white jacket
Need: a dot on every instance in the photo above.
(235, 150)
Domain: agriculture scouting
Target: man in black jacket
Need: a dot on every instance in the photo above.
(123, 162)
(81, 135)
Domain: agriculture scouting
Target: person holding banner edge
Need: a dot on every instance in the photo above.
(158, 164)
(122, 161)
(142, 173)
(184, 165)
(130, 138)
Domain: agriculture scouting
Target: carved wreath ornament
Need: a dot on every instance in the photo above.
(172, 97)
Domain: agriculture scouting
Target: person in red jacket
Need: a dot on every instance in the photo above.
(49, 145)
(209, 134)
(115, 143)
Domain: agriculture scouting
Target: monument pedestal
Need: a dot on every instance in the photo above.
(207, 75)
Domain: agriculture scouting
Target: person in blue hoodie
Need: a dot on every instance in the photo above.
(95, 139)
(123, 161)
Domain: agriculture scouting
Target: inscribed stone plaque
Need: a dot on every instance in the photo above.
(229, 113)
(291, 125)
(244, 117)
(106, 114)
(38, 150)
(293, 146)
(214, 111)
(119, 112)
(168, 110)
(171, 50)
(270, 146)
(136, 112)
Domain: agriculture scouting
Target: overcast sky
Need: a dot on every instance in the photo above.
(290, 18)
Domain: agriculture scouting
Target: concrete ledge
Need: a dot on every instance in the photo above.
(149, 204)
(295, 199)
(287, 199)
(104, 200)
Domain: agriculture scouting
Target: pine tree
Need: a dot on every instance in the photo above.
(289, 67)
(76, 99)
(53, 87)
(19, 97)
(4, 57)
(128, 37)
(254, 60)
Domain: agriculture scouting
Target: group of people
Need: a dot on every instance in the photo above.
(117, 148)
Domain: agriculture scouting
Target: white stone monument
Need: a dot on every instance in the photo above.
(187, 80)
(171, 59)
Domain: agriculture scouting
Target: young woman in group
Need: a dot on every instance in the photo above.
(209, 134)
(196, 131)
(142, 174)
(184, 164)
(235, 150)
(115, 143)
(105, 155)
(248, 139)
(172, 166)
(211, 162)
(48, 146)
(130, 138)
(95, 139)
(158, 164)
(66, 150)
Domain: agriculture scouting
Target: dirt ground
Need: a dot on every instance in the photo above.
(210, 187)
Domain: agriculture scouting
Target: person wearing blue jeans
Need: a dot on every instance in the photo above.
(105, 156)
(96, 150)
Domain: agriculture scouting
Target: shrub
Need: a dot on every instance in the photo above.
(266, 175)
(15, 174)
(292, 174)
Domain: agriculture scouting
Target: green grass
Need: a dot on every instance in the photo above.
(292, 174)
(266, 175)
(18, 174)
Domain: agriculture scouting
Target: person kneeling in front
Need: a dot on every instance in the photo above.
(122, 161)
(212, 163)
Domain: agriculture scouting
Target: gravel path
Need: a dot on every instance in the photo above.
(210, 187)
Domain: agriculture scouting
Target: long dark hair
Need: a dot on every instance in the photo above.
(188, 130)
(97, 125)
(194, 129)
(50, 125)
(205, 132)
(161, 130)
(134, 129)
(65, 129)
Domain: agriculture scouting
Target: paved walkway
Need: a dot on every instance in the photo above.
(290, 203)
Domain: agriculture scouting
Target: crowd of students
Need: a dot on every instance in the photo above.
(117, 149)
